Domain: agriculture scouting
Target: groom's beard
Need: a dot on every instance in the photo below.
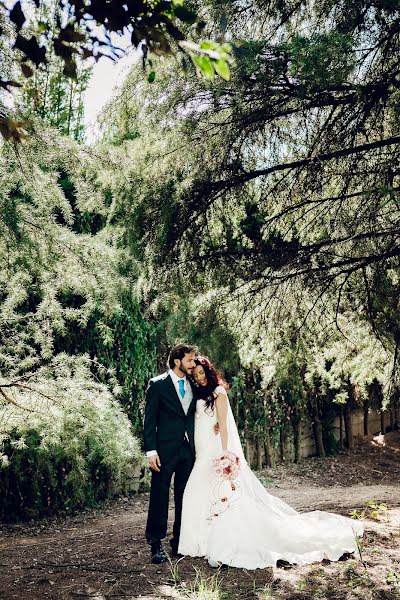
(188, 372)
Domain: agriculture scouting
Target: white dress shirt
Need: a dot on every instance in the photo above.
(185, 401)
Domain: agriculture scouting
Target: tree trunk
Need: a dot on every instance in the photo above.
(341, 432)
(282, 442)
(348, 426)
(260, 449)
(366, 417)
(391, 413)
(247, 449)
(297, 440)
(269, 454)
(396, 410)
(317, 427)
(71, 95)
(382, 422)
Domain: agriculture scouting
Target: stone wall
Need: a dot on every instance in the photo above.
(131, 483)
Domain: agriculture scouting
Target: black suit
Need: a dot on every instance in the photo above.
(165, 429)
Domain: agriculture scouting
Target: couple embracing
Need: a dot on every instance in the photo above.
(222, 511)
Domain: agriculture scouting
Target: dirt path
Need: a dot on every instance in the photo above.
(100, 554)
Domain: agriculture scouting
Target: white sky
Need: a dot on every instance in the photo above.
(106, 79)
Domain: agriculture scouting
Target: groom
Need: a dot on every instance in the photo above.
(169, 444)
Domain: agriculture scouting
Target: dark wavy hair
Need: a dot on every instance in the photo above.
(213, 380)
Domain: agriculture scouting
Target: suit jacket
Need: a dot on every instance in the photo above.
(165, 422)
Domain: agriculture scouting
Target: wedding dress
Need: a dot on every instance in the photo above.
(246, 526)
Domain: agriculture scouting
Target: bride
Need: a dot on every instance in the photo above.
(238, 523)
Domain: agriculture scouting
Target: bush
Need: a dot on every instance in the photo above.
(63, 455)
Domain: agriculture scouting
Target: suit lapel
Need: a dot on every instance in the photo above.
(172, 393)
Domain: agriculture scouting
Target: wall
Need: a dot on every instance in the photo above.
(307, 444)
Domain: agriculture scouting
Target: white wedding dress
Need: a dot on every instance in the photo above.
(247, 527)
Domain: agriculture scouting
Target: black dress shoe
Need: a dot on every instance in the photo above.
(174, 548)
(157, 554)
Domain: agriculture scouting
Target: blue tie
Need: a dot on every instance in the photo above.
(181, 384)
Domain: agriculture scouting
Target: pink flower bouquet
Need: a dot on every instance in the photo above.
(227, 468)
(226, 465)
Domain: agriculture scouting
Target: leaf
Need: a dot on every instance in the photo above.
(11, 129)
(5, 84)
(31, 49)
(223, 22)
(99, 55)
(173, 30)
(17, 16)
(86, 53)
(184, 14)
(227, 47)
(26, 70)
(70, 69)
(209, 45)
(222, 68)
(151, 77)
(205, 66)
(42, 27)
(70, 35)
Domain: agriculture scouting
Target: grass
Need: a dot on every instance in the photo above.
(203, 588)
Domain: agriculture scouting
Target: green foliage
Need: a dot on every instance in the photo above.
(75, 345)
(58, 101)
(211, 58)
(65, 440)
(45, 37)
(273, 189)
(320, 60)
(124, 341)
(242, 212)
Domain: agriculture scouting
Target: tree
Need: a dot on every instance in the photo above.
(80, 30)
(285, 178)
(66, 286)
(57, 100)
(291, 142)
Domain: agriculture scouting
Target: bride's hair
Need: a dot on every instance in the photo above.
(214, 379)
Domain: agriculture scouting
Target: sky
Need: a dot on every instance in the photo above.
(106, 79)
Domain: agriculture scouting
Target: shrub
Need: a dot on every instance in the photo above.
(66, 447)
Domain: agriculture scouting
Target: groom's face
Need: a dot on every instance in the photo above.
(187, 364)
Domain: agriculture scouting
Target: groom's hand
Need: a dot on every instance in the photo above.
(154, 463)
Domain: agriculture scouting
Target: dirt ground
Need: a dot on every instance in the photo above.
(101, 554)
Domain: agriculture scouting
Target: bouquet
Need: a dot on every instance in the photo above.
(227, 466)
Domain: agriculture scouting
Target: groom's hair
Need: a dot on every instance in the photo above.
(178, 352)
